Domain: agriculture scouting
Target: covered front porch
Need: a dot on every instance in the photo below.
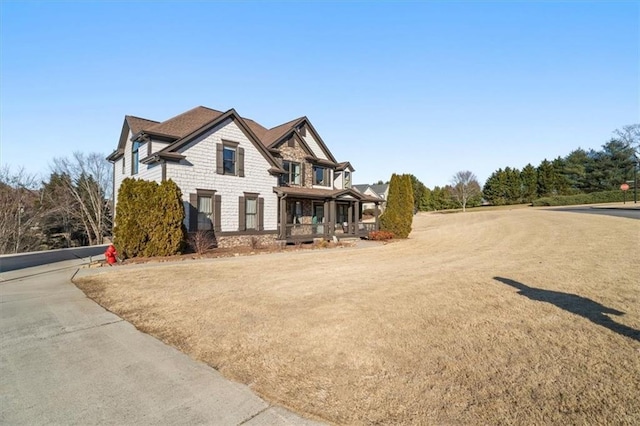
(305, 214)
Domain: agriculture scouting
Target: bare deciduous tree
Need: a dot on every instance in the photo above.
(89, 185)
(630, 136)
(19, 211)
(465, 186)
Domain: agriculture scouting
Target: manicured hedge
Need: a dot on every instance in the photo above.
(591, 198)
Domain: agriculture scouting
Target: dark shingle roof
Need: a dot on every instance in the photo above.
(361, 188)
(380, 189)
(136, 124)
(277, 132)
(185, 123)
(190, 121)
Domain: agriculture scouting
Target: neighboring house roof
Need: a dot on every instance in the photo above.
(380, 189)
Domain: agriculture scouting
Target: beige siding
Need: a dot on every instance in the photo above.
(314, 146)
(198, 171)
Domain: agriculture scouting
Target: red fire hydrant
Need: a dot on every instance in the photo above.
(110, 255)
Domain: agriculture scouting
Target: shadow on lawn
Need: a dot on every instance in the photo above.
(587, 308)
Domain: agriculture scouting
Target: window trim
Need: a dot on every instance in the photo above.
(238, 160)
(216, 201)
(199, 196)
(242, 212)
(326, 176)
(289, 173)
(346, 183)
(254, 198)
(228, 148)
(135, 158)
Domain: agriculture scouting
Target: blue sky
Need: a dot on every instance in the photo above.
(428, 88)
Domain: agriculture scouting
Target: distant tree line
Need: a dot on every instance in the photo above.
(69, 209)
(579, 172)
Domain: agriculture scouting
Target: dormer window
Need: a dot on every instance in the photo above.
(347, 179)
(292, 173)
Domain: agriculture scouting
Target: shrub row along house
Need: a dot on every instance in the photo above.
(242, 180)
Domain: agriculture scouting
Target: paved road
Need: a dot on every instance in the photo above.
(631, 213)
(27, 260)
(66, 360)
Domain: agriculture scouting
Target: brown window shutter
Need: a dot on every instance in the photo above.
(217, 213)
(241, 215)
(219, 159)
(193, 212)
(240, 162)
(149, 147)
(260, 214)
(303, 169)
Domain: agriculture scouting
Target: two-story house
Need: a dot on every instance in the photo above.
(242, 180)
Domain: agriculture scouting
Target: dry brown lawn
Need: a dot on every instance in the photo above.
(526, 316)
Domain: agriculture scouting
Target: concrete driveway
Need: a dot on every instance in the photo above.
(66, 360)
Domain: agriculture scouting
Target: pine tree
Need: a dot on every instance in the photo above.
(529, 180)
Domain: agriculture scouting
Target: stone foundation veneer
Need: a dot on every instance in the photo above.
(264, 240)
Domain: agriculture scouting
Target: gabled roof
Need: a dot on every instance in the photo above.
(185, 123)
(137, 124)
(183, 127)
(273, 135)
(361, 188)
(380, 189)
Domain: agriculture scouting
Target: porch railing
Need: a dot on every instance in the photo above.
(360, 229)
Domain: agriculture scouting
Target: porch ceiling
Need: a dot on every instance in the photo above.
(323, 194)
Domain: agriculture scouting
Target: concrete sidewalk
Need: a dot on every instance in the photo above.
(66, 360)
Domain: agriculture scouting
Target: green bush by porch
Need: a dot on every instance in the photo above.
(398, 216)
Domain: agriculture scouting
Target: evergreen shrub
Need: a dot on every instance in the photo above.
(149, 220)
(398, 215)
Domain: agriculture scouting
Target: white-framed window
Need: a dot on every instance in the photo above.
(205, 212)
(229, 160)
(347, 179)
(251, 213)
(292, 175)
(135, 157)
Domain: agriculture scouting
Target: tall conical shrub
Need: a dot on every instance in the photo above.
(165, 230)
(398, 215)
